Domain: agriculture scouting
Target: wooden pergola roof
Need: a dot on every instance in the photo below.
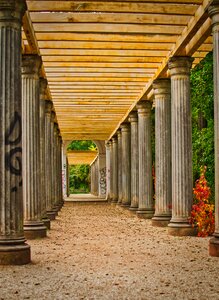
(76, 157)
(101, 57)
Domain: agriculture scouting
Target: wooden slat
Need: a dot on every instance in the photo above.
(128, 18)
(108, 28)
(90, 6)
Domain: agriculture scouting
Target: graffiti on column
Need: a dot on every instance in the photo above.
(13, 162)
(103, 181)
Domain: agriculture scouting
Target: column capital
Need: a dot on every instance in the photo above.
(31, 64)
(56, 127)
(12, 11)
(114, 139)
(124, 126)
(43, 88)
(48, 106)
(133, 117)
(144, 107)
(53, 116)
(180, 65)
(213, 12)
(162, 87)
(118, 132)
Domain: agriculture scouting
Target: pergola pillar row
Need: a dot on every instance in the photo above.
(181, 135)
(13, 249)
(163, 183)
(33, 225)
(115, 169)
(214, 14)
(146, 204)
(133, 119)
(126, 165)
(42, 190)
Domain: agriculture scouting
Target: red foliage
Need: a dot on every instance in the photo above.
(202, 214)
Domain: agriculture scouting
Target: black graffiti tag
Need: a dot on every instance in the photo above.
(13, 162)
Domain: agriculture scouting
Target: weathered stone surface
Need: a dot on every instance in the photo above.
(214, 14)
(126, 165)
(181, 144)
(13, 249)
(119, 137)
(163, 201)
(33, 225)
(115, 170)
(133, 119)
(146, 205)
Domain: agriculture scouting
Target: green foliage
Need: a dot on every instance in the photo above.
(202, 97)
(79, 179)
(82, 145)
(79, 175)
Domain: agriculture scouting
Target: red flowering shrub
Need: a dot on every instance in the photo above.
(202, 214)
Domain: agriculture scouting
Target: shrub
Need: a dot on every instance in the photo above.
(202, 214)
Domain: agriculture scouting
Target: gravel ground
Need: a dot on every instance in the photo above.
(100, 251)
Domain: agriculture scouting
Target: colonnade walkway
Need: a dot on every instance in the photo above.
(101, 251)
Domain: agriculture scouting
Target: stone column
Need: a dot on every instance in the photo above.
(133, 119)
(33, 225)
(43, 181)
(163, 183)
(55, 184)
(126, 165)
(92, 179)
(67, 177)
(111, 169)
(119, 138)
(181, 146)
(96, 172)
(115, 170)
(107, 171)
(64, 171)
(214, 14)
(48, 153)
(13, 249)
(102, 175)
(146, 205)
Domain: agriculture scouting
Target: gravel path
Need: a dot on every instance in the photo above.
(99, 251)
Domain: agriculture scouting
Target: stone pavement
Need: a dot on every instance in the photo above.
(100, 251)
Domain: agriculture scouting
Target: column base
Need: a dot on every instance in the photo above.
(125, 205)
(15, 255)
(133, 209)
(214, 247)
(181, 229)
(47, 222)
(51, 215)
(160, 221)
(34, 230)
(145, 213)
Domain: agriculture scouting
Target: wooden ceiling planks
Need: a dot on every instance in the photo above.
(100, 57)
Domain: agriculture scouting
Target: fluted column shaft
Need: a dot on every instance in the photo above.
(126, 165)
(133, 119)
(55, 153)
(146, 205)
(111, 170)
(115, 170)
(52, 132)
(13, 249)
(163, 183)
(92, 179)
(33, 225)
(181, 132)
(119, 138)
(214, 14)
(42, 189)
(48, 150)
(107, 171)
